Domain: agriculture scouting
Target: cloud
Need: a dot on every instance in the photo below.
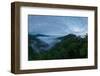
(57, 25)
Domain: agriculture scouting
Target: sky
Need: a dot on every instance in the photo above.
(57, 25)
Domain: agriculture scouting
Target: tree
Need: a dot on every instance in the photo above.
(70, 46)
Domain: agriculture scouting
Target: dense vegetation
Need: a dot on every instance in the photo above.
(70, 47)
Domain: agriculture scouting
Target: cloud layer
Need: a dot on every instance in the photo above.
(57, 25)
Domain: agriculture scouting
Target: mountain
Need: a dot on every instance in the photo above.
(67, 36)
(37, 35)
(37, 44)
(65, 47)
(41, 41)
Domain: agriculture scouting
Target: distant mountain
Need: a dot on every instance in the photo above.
(37, 35)
(67, 36)
(43, 44)
(42, 35)
(37, 44)
(68, 47)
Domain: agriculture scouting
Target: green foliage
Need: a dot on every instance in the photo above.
(70, 47)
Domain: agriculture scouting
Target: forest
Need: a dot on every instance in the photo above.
(69, 47)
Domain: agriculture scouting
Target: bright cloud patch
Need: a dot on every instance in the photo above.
(57, 25)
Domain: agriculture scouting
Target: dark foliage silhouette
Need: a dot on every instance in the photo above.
(69, 47)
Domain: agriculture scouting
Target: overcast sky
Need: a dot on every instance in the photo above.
(57, 25)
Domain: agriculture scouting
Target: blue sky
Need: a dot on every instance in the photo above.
(57, 25)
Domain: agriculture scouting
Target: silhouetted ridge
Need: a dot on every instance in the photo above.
(68, 47)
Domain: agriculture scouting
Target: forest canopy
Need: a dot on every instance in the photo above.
(70, 46)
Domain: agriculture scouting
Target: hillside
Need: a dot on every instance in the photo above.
(69, 47)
